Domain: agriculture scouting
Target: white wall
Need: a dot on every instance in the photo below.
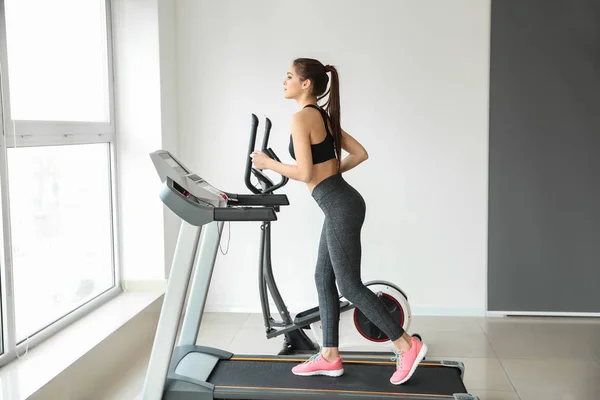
(169, 105)
(146, 121)
(414, 80)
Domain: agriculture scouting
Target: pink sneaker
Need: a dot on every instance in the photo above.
(317, 365)
(408, 361)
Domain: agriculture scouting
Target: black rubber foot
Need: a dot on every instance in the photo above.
(286, 350)
(296, 342)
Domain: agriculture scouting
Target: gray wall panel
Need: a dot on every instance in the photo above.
(544, 193)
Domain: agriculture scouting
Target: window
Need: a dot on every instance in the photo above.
(1, 310)
(60, 209)
(57, 60)
(56, 167)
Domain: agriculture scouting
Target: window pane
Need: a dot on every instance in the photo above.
(3, 322)
(57, 60)
(1, 310)
(61, 230)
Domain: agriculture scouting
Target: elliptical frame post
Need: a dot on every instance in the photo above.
(267, 266)
(264, 295)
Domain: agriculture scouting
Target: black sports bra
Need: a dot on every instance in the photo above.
(323, 151)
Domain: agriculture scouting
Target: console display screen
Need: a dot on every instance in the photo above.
(176, 166)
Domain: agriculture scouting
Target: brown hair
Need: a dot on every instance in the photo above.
(308, 68)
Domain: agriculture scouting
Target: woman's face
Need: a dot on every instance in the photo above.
(292, 85)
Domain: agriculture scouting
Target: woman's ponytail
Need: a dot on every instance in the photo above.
(333, 109)
(309, 68)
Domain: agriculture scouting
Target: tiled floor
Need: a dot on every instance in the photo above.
(505, 358)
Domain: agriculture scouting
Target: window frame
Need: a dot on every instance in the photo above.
(46, 133)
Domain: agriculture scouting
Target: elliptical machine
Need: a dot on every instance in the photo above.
(356, 333)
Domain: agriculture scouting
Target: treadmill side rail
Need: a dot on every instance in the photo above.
(188, 375)
(456, 364)
(222, 392)
(465, 396)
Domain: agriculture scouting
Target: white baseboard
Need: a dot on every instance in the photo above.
(541, 314)
(416, 311)
(447, 312)
(421, 311)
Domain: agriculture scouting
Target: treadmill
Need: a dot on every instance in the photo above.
(187, 371)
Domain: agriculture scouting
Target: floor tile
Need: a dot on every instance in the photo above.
(217, 335)
(453, 344)
(254, 341)
(534, 342)
(235, 319)
(445, 324)
(486, 374)
(558, 378)
(495, 395)
(255, 320)
(559, 394)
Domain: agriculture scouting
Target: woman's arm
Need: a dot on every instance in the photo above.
(302, 150)
(356, 152)
(291, 171)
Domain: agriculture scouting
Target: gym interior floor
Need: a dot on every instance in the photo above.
(505, 358)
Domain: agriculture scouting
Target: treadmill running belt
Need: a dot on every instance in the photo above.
(430, 380)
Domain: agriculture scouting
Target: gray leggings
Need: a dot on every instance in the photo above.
(339, 258)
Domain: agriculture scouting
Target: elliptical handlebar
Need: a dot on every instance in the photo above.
(268, 185)
(268, 126)
(249, 167)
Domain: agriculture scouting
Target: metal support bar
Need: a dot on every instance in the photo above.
(170, 314)
(207, 253)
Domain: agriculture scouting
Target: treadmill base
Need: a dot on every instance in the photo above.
(204, 373)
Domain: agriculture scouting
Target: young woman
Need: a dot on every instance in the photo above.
(316, 143)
